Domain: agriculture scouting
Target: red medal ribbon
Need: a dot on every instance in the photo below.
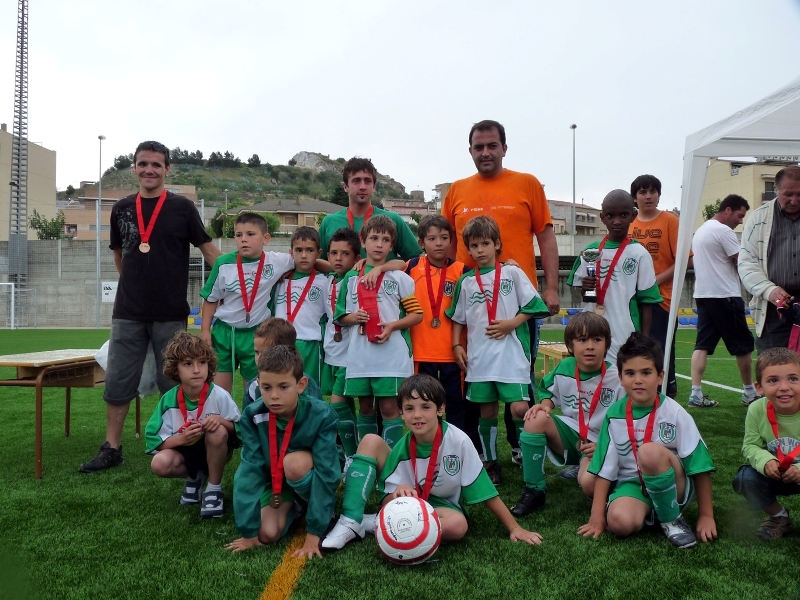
(648, 432)
(584, 423)
(436, 302)
(144, 232)
(601, 291)
(351, 220)
(785, 460)
(432, 462)
(368, 300)
(249, 300)
(275, 459)
(291, 314)
(200, 405)
(336, 328)
(491, 303)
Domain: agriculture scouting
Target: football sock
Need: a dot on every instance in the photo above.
(533, 450)
(664, 494)
(358, 484)
(367, 424)
(392, 431)
(520, 425)
(211, 487)
(487, 430)
(750, 390)
(302, 487)
(346, 427)
(697, 390)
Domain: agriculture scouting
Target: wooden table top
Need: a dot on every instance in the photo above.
(47, 358)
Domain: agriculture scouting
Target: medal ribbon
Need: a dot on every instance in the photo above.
(291, 314)
(436, 302)
(249, 300)
(432, 462)
(491, 303)
(200, 405)
(368, 298)
(648, 432)
(584, 423)
(275, 459)
(785, 460)
(351, 220)
(144, 232)
(601, 292)
(336, 328)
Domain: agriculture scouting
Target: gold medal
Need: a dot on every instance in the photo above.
(276, 501)
(144, 247)
(599, 309)
(337, 337)
(435, 322)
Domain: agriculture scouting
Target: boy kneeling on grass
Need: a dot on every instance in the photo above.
(194, 427)
(651, 448)
(772, 441)
(289, 462)
(455, 479)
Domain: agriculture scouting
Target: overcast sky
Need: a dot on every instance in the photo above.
(399, 82)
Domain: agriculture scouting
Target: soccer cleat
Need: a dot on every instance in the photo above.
(679, 533)
(774, 528)
(570, 472)
(494, 472)
(516, 456)
(345, 530)
(370, 522)
(105, 458)
(211, 505)
(748, 400)
(530, 501)
(191, 489)
(702, 402)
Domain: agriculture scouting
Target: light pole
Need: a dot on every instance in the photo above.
(97, 224)
(574, 229)
(226, 200)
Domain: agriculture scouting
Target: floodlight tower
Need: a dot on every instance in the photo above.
(18, 206)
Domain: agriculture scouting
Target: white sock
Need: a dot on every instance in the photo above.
(697, 390)
(213, 487)
(781, 513)
(750, 390)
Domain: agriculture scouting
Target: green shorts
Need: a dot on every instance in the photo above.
(632, 488)
(569, 439)
(286, 493)
(234, 348)
(380, 387)
(333, 379)
(311, 352)
(492, 391)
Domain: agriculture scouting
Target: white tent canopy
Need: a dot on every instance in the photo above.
(768, 127)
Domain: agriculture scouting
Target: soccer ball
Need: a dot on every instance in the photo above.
(408, 531)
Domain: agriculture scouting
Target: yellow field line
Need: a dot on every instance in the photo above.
(284, 577)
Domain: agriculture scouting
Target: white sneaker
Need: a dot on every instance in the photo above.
(369, 523)
(344, 531)
(679, 533)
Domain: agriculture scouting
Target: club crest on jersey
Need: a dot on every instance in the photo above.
(666, 431)
(506, 285)
(390, 287)
(606, 397)
(629, 266)
(314, 293)
(452, 464)
(449, 288)
(268, 272)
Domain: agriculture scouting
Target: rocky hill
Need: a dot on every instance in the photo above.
(322, 162)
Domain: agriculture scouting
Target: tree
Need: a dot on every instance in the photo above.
(123, 161)
(254, 161)
(709, 210)
(416, 217)
(292, 162)
(340, 197)
(48, 229)
(70, 191)
(320, 217)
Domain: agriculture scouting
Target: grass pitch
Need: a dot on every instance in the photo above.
(122, 533)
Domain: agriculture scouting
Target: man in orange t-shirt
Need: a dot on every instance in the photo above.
(518, 204)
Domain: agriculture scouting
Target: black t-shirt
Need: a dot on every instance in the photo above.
(152, 286)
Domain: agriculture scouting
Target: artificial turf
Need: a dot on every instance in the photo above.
(122, 533)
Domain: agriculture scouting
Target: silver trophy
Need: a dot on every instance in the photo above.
(591, 257)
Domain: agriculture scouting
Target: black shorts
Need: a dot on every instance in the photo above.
(194, 456)
(723, 318)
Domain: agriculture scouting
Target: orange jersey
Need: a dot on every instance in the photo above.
(660, 237)
(515, 200)
(433, 344)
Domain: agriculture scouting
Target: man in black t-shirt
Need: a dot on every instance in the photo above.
(150, 236)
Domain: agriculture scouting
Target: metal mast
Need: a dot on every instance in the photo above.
(18, 217)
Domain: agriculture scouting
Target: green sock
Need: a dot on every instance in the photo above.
(534, 447)
(487, 431)
(664, 494)
(346, 426)
(520, 425)
(358, 484)
(302, 487)
(392, 431)
(366, 424)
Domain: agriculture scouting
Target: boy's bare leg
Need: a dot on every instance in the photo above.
(169, 463)
(216, 454)
(454, 524)
(273, 523)
(225, 381)
(392, 423)
(626, 515)
(585, 479)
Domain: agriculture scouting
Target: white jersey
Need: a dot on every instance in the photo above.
(632, 282)
(716, 276)
(674, 428)
(393, 358)
(310, 317)
(502, 361)
(335, 352)
(223, 284)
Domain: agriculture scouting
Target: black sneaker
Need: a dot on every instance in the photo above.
(530, 501)
(106, 458)
(493, 470)
(211, 505)
(679, 533)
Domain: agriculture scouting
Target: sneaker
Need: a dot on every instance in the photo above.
(702, 402)
(191, 490)
(748, 400)
(570, 472)
(774, 528)
(516, 456)
(370, 522)
(530, 501)
(345, 530)
(679, 533)
(106, 458)
(211, 505)
(493, 469)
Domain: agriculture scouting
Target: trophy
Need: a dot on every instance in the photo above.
(591, 257)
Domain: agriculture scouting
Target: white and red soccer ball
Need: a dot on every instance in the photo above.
(408, 531)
